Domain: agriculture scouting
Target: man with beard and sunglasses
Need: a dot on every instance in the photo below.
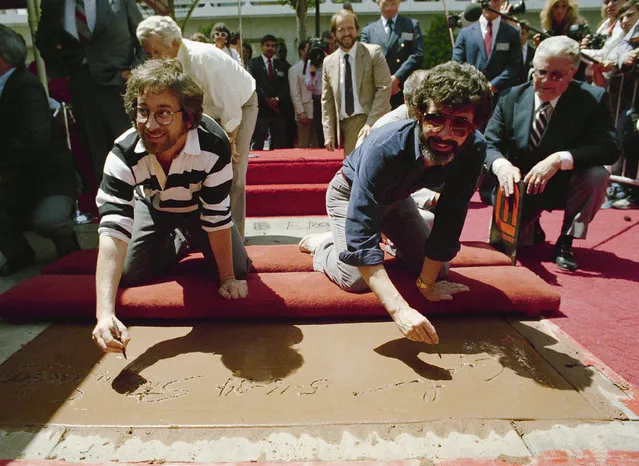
(166, 184)
(370, 196)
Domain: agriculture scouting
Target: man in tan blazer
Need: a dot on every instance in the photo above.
(356, 85)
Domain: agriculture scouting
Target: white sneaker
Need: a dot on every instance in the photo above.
(309, 243)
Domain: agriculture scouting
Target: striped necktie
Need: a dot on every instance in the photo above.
(81, 21)
(539, 125)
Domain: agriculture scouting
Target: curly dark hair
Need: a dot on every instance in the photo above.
(456, 86)
(165, 75)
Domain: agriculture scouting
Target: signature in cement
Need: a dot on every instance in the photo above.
(430, 394)
(240, 387)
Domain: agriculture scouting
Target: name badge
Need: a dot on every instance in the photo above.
(406, 36)
(502, 46)
(280, 73)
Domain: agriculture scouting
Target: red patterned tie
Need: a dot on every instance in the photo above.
(81, 21)
(488, 39)
(270, 70)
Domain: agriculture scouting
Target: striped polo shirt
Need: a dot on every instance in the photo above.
(199, 179)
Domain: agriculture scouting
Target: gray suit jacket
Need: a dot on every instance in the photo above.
(112, 47)
(372, 83)
(404, 49)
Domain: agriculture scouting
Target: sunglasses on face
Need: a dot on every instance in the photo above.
(220, 34)
(460, 126)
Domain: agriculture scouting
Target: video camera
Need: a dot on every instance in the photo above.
(317, 51)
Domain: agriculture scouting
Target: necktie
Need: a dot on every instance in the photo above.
(348, 87)
(488, 39)
(390, 27)
(270, 70)
(539, 125)
(81, 21)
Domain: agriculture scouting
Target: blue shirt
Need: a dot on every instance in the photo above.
(4, 78)
(389, 167)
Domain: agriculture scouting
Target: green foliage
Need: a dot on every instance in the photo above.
(206, 30)
(437, 47)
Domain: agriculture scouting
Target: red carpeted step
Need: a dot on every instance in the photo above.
(287, 166)
(271, 258)
(285, 199)
(306, 295)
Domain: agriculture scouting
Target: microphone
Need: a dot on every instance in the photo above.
(472, 12)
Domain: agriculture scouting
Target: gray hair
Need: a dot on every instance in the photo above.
(558, 47)
(413, 81)
(13, 49)
(163, 28)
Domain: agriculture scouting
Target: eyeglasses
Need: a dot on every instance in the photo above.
(162, 117)
(460, 126)
(220, 34)
(553, 75)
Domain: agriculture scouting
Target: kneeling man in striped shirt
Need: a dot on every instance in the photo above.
(165, 180)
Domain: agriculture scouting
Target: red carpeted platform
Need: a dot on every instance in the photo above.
(289, 181)
(282, 286)
(271, 258)
(304, 295)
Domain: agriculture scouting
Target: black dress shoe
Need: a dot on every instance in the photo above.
(564, 257)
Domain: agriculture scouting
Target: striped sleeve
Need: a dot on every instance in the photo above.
(115, 199)
(215, 201)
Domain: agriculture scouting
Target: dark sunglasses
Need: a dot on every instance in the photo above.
(460, 126)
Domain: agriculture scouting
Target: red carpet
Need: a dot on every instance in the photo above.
(599, 302)
(301, 295)
(290, 181)
(275, 290)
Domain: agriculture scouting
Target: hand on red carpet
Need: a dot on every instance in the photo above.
(106, 333)
(508, 175)
(538, 177)
(442, 291)
(234, 289)
(415, 326)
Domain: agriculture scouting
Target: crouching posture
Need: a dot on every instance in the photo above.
(370, 196)
(166, 186)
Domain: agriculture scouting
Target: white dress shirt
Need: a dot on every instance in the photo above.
(567, 161)
(483, 25)
(342, 81)
(385, 23)
(90, 10)
(226, 84)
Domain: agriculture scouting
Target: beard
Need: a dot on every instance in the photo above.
(346, 41)
(433, 156)
(157, 146)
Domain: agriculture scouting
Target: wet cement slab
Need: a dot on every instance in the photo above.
(280, 374)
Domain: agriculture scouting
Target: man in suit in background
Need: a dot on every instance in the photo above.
(402, 42)
(302, 99)
(493, 47)
(93, 43)
(37, 180)
(271, 80)
(556, 134)
(527, 51)
(356, 85)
